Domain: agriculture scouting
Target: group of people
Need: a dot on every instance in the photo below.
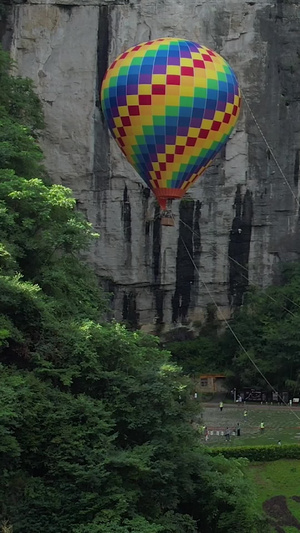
(237, 430)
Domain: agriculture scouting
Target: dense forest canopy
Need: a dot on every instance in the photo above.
(268, 326)
(95, 421)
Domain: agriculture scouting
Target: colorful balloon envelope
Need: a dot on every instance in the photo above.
(171, 105)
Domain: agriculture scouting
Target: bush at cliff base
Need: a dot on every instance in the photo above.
(259, 453)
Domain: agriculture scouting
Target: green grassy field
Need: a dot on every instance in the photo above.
(278, 486)
(281, 423)
(278, 482)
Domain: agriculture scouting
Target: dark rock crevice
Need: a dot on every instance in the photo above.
(129, 313)
(6, 30)
(197, 252)
(296, 168)
(156, 245)
(126, 216)
(188, 252)
(159, 295)
(158, 291)
(239, 247)
(197, 233)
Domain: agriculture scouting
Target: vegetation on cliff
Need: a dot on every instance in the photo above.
(268, 325)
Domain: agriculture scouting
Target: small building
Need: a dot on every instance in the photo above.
(211, 383)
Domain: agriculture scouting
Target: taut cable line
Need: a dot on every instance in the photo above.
(243, 275)
(239, 342)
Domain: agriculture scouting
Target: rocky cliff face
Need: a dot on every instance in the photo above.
(241, 219)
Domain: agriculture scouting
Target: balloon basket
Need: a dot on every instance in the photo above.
(165, 221)
(167, 218)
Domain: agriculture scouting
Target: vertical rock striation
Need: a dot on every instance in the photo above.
(239, 248)
(241, 219)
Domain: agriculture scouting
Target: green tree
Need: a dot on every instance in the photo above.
(18, 101)
(41, 234)
(268, 326)
(20, 119)
(94, 420)
(200, 355)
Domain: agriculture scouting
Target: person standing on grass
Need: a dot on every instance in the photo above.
(201, 430)
(245, 415)
(221, 406)
(206, 433)
(227, 434)
(238, 430)
(262, 427)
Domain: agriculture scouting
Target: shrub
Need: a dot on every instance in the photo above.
(260, 453)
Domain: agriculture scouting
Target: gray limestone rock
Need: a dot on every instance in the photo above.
(241, 219)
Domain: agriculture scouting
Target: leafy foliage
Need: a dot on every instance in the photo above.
(268, 325)
(269, 328)
(260, 453)
(94, 420)
(18, 149)
(18, 101)
(197, 356)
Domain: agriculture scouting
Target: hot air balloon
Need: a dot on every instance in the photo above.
(171, 105)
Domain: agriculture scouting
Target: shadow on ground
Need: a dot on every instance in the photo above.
(279, 514)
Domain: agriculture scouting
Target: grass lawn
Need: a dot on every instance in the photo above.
(278, 482)
(278, 487)
(281, 423)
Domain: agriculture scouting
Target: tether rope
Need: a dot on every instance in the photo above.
(269, 147)
(243, 275)
(239, 342)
